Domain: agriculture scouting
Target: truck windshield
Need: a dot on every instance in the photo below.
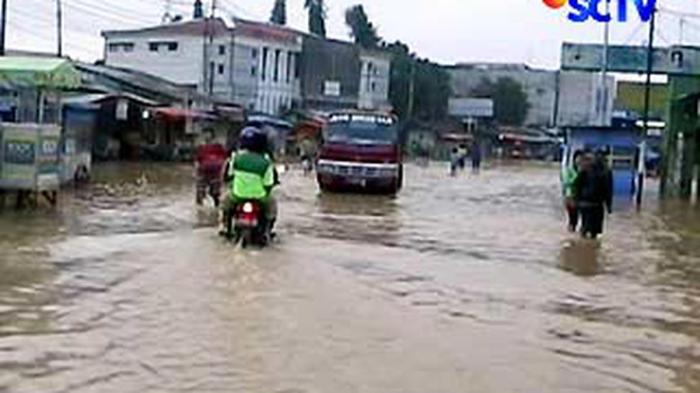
(362, 132)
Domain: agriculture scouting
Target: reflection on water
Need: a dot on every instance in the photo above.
(469, 281)
(581, 257)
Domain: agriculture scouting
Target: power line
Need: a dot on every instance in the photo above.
(34, 33)
(102, 14)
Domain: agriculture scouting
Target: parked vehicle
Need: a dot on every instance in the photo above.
(360, 152)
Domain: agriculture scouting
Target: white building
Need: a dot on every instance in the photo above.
(266, 71)
(374, 80)
(582, 100)
(257, 65)
(193, 53)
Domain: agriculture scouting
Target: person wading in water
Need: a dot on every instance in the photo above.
(593, 191)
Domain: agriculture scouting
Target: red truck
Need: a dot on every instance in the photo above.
(361, 151)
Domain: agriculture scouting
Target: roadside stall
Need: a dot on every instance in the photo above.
(30, 147)
(623, 146)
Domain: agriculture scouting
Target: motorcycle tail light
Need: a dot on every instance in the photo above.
(248, 208)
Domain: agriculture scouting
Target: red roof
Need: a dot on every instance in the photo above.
(265, 31)
(197, 27)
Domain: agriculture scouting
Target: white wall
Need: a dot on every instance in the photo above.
(272, 95)
(577, 99)
(538, 85)
(183, 65)
(374, 82)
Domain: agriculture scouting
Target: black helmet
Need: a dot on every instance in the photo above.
(252, 139)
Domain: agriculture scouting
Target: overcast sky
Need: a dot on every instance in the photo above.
(447, 31)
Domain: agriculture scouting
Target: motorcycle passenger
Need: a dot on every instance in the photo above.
(250, 176)
(209, 162)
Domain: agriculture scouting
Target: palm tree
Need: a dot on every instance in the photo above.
(317, 17)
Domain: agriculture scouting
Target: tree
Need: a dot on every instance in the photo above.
(361, 29)
(198, 10)
(317, 17)
(509, 99)
(279, 13)
(431, 84)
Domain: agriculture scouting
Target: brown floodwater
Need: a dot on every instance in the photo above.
(467, 284)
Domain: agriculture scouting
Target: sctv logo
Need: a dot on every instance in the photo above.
(583, 10)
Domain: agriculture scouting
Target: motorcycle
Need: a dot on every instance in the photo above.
(209, 183)
(247, 225)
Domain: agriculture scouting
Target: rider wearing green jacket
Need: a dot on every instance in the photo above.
(569, 176)
(250, 175)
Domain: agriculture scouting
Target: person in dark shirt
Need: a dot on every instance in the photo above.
(593, 191)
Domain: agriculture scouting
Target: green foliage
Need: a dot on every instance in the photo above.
(198, 10)
(431, 85)
(317, 17)
(279, 13)
(509, 99)
(361, 29)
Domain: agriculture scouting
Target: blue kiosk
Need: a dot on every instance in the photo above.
(622, 141)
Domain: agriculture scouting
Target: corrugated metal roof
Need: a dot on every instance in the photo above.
(38, 72)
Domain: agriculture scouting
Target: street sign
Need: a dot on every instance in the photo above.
(470, 107)
(331, 88)
(676, 60)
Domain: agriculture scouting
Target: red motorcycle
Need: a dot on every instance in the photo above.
(247, 226)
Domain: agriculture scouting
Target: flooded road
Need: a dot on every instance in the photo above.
(468, 284)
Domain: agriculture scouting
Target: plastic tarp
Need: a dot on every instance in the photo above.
(35, 72)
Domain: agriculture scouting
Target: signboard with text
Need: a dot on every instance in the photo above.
(676, 60)
(30, 156)
(470, 107)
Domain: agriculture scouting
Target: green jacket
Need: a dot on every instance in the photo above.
(253, 176)
(568, 179)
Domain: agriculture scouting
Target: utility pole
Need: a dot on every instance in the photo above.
(211, 46)
(647, 103)
(59, 28)
(3, 27)
(681, 38)
(167, 12)
(602, 101)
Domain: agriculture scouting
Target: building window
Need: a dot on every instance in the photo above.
(254, 70)
(373, 86)
(263, 71)
(121, 46)
(290, 57)
(222, 50)
(221, 69)
(254, 53)
(276, 77)
(155, 46)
